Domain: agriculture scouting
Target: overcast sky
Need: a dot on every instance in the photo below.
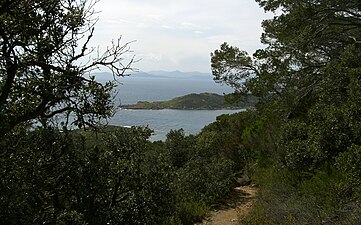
(179, 34)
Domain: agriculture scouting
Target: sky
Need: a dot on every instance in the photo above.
(178, 34)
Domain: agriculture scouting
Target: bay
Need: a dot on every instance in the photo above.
(134, 89)
(162, 121)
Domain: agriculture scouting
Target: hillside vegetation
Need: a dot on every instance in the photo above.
(304, 136)
(193, 101)
(300, 145)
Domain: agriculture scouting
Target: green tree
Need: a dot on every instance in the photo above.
(308, 79)
(179, 147)
(52, 177)
(308, 69)
(301, 41)
(44, 59)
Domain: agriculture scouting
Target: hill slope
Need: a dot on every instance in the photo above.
(191, 101)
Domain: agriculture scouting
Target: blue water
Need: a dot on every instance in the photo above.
(135, 89)
(162, 121)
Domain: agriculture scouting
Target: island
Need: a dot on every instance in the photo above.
(202, 101)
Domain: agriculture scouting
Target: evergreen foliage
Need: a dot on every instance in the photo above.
(45, 62)
(307, 121)
(208, 101)
(300, 144)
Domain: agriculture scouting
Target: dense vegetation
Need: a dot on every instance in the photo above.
(52, 175)
(113, 176)
(300, 145)
(194, 101)
(305, 134)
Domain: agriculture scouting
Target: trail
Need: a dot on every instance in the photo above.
(239, 203)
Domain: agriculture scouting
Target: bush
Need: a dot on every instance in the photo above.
(283, 198)
(51, 177)
(192, 212)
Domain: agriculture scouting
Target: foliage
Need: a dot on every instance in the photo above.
(179, 148)
(307, 127)
(300, 144)
(232, 66)
(226, 138)
(45, 62)
(348, 163)
(194, 101)
(201, 174)
(115, 176)
(51, 177)
(191, 212)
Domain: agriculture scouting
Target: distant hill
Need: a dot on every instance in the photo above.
(102, 76)
(209, 101)
(179, 74)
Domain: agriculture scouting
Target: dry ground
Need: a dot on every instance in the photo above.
(227, 213)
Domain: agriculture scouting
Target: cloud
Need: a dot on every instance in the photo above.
(167, 27)
(154, 57)
(172, 31)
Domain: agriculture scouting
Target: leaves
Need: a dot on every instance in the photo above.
(232, 67)
(307, 124)
(43, 47)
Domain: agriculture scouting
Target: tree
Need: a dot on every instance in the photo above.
(179, 147)
(78, 177)
(44, 61)
(301, 41)
(309, 64)
(308, 77)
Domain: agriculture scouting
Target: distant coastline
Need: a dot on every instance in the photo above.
(202, 101)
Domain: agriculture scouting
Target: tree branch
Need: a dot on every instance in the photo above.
(11, 69)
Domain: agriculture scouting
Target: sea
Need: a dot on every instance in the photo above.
(133, 89)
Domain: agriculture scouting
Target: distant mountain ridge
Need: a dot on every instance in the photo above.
(158, 74)
(179, 74)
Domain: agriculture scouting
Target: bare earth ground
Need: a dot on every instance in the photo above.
(227, 213)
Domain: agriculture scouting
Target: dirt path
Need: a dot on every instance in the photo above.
(239, 203)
